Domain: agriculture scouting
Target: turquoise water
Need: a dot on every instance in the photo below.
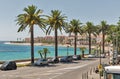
(17, 52)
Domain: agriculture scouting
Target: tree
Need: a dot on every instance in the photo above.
(55, 21)
(104, 30)
(31, 17)
(74, 27)
(83, 50)
(89, 29)
(44, 52)
(40, 52)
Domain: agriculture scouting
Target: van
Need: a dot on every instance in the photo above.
(112, 72)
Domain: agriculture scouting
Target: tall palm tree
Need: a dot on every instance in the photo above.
(31, 17)
(104, 30)
(118, 36)
(89, 29)
(55, 21)
(74, 27)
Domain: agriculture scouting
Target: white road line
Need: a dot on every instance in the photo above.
(53, 77)
(45, 74)
(69, 68)
(76, 67)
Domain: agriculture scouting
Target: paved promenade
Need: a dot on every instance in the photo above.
(74, 70)
(95, 76)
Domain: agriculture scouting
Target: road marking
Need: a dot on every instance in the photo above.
(69, 68)
(53, 77)
(45, 74)
(76, 67)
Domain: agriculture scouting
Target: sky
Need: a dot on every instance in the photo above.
(85, 10)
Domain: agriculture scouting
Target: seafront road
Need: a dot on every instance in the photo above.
(72, 70)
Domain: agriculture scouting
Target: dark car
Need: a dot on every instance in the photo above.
(41, 62)
(66, 59)
(76, 57)
(9, 65)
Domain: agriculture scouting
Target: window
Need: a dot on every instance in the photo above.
(113, 76)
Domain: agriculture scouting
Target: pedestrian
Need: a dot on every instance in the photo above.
(96, 70)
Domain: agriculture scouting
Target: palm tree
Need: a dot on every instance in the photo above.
(83, 50)
(40, 52)
(118, 36)
(89, 29)
(104, 30)
(74, 27)
(31, 17)
(44, 52)
(55, 21)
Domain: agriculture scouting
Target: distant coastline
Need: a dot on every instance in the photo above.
(46, 44)
(20, 43)
(36, 44)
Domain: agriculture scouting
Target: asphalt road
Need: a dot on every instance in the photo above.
(72, 70)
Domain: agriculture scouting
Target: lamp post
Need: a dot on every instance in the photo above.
(115, 51)
(100, 66)
(100, 53)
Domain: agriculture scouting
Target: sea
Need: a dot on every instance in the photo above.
(20, 52)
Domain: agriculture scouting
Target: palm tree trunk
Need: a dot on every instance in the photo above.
(89, 43)
(103, 44)
(82, 54)
(41, 56)
(32, 45)
(56, 44)
(75, 44)
(45, 55)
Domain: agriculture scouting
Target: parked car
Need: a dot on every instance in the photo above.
(102, 55)
(9, 65)
(66, 59)
(98, 56)
(53, 60)
(41, 62)
(91, 56)
(76, 57)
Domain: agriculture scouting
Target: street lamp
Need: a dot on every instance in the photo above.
(100, 53)
(115, 48)
(100, 65)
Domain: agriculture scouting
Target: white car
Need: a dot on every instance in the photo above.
(91, 56)
(41, 62)
(103, 55)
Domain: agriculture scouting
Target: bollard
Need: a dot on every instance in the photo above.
(87, 75)
(94, 69)
(90, 71)
(82, 76)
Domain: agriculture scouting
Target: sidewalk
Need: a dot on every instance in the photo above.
(95, 76)
(91, 74)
